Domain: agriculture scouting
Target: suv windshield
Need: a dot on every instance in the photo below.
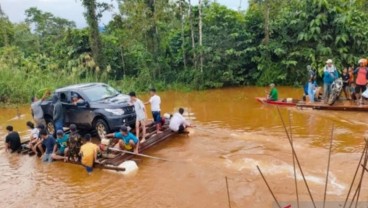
(100, 92)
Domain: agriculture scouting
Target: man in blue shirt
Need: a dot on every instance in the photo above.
(49, 142)
(330, 74)
(127, 140)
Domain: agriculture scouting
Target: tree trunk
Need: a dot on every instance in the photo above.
(200, 34)
(182, 32)
(94, 35)
(192, 35)
(122, 60)
(266, 23)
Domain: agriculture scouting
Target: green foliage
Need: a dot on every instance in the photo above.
(156, 44)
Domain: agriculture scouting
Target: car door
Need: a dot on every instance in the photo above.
(79, 114)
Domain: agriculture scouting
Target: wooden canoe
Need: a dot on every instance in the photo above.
(281, 102)
(347, 106)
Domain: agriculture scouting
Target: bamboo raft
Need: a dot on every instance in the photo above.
(111, 159)
(346, 106)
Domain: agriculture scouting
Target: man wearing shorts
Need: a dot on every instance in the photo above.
(178, 123)
(127, 141)
(155, 102)
(140, 111)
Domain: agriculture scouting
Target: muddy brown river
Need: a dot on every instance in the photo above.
(234, 134)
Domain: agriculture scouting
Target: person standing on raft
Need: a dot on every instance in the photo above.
(155, 101)
(140, 111)
(330, 74)
(361, 73)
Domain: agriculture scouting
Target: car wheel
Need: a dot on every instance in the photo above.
(50, 126)
(101, 128)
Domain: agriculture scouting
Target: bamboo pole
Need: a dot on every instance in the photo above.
(143, 155)
(296, 158)
(295, 178)
(269, 188)
(355, 174)
(228, 192)
(328, 167)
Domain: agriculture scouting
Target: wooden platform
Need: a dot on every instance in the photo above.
(338, 106)
(116, 158)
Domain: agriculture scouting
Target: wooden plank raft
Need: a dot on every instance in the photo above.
(346, 106)
(151, 140)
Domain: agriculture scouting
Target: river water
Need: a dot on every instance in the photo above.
(234, 134)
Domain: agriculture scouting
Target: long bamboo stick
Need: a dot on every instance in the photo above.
(355, 174)
(295, 178)
(228, 192)
(269, 188)
(296, 158)
(328, 167)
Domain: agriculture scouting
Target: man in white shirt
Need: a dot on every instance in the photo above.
(140, 111)
(155, 102)
(178, 122)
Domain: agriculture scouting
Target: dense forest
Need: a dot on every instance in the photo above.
(172, 44)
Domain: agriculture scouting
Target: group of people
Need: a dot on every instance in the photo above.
(354, 81)
(72, 147)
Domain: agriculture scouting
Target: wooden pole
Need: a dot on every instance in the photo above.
(143, 155)
(296, 158)
(295, 178)
(355, 174)
(357, 191)
(228, 192)
(269, 188)
(328, 167)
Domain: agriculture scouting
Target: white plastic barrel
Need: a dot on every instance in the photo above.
(130, 166)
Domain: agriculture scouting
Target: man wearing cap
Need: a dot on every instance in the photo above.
(61, 147)
(76, 100)
(127, 140)
(140, 111)
(74, 143)
(329, 75)
(361, 74)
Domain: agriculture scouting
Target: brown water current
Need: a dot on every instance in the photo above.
(234, 134)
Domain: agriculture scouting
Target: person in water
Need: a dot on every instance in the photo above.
(127, 140)
(345, 80)
(61, 147)
(49, 142)
(74, 143)
(88, 153)
(273, 95)
(361, 74)
(141, 117)
(330, 74)
(178, 123)
(34, 134)
(12, 140)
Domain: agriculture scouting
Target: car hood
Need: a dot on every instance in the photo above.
(118, 101)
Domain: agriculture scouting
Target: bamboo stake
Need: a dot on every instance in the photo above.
(269, 188)
(357, 191)
(228, 193)
(355, 174)
(296, 158)
(328, 167)
(295, 178)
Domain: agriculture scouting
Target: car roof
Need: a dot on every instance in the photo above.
(78, 86)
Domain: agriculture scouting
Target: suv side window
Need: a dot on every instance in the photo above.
(63, 97)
